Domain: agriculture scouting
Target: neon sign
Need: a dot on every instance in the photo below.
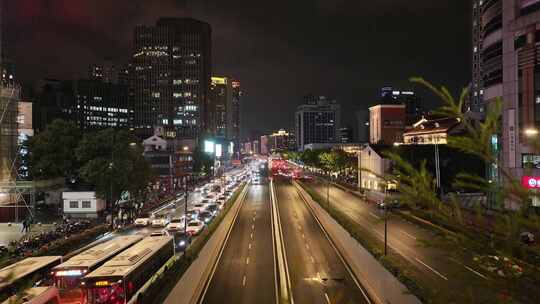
(531, 182)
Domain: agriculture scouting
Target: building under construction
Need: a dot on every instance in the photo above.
(9, 98)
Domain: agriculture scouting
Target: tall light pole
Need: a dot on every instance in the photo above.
(185, 204)
(437, 166)
(111, 167)
(385, 221)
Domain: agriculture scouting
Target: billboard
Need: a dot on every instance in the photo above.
(531, 182)
(219, 150)
(209, 146)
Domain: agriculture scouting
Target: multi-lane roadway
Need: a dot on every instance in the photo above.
(248, 270)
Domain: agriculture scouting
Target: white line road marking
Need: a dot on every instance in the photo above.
(409, 235)
(327, 298)
(249, 247)
(312, 260)
(252, 227)
(435, 271)
(470, 269)
(374, 215)
(244, 281)
(476, 272)
(251, 236)
(318, 275)
(303, 236)
(247, 260)
(307, 246)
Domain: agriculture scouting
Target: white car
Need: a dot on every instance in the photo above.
(142, 222)
(198, 207)
(176, 224)
(159, 233)
(160, 222)
(194, 227)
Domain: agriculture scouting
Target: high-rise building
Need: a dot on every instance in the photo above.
(386, 123)
(345, 135)
(413, 107)
(105, 71)
(507, 52)
(362, 118)
(223, 111)
(90, 104)
(264, 145)
(171, 65)
(317, 121)
(95, 104)
(279, 141)
(234, 115)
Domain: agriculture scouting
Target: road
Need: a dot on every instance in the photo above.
(316, 271)
(405, 238)
(245, 273)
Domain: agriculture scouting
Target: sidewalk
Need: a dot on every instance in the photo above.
(14, 232)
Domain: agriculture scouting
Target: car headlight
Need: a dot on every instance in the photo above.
(182, 243)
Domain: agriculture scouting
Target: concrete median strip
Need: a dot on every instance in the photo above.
(379, 283)
(284, 291)
(191, 287)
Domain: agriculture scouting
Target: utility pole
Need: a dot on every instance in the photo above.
(385, 222)
(111, 166)
(185, 204)
(328, 193)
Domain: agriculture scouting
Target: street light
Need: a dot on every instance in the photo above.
(531, 132)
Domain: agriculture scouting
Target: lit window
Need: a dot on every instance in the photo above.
(177, 122)
(156, 94)
(177, 81)
(165, 121)
(177, 95)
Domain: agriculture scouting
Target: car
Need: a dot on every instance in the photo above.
(159, 233)
(213, 208)
(206, 216)
(176, 224)
(160, 222)
(194, 227)
(192, 214)
(142, 222)
(389, 205)
(182, 240)
(198, 207)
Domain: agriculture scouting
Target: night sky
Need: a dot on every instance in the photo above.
(280, 50)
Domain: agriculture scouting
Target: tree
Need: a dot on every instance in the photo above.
(112, 161)
(51, 152)
(202, 161)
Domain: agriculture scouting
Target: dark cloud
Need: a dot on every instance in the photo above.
(280, 50)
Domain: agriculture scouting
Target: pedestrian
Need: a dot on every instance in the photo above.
(23, 226)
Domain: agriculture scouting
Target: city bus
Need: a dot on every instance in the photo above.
(18, 276)
(67, 275)
(36, 295)
(121, 277)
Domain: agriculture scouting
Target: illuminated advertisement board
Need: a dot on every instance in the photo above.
(219, 150)
(209, 146)
(531, 182)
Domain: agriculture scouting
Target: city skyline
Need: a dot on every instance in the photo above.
(271, 54)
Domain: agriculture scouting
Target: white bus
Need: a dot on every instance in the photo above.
(120, 278)
(17, 276)
(67, 275)
(36, 295)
